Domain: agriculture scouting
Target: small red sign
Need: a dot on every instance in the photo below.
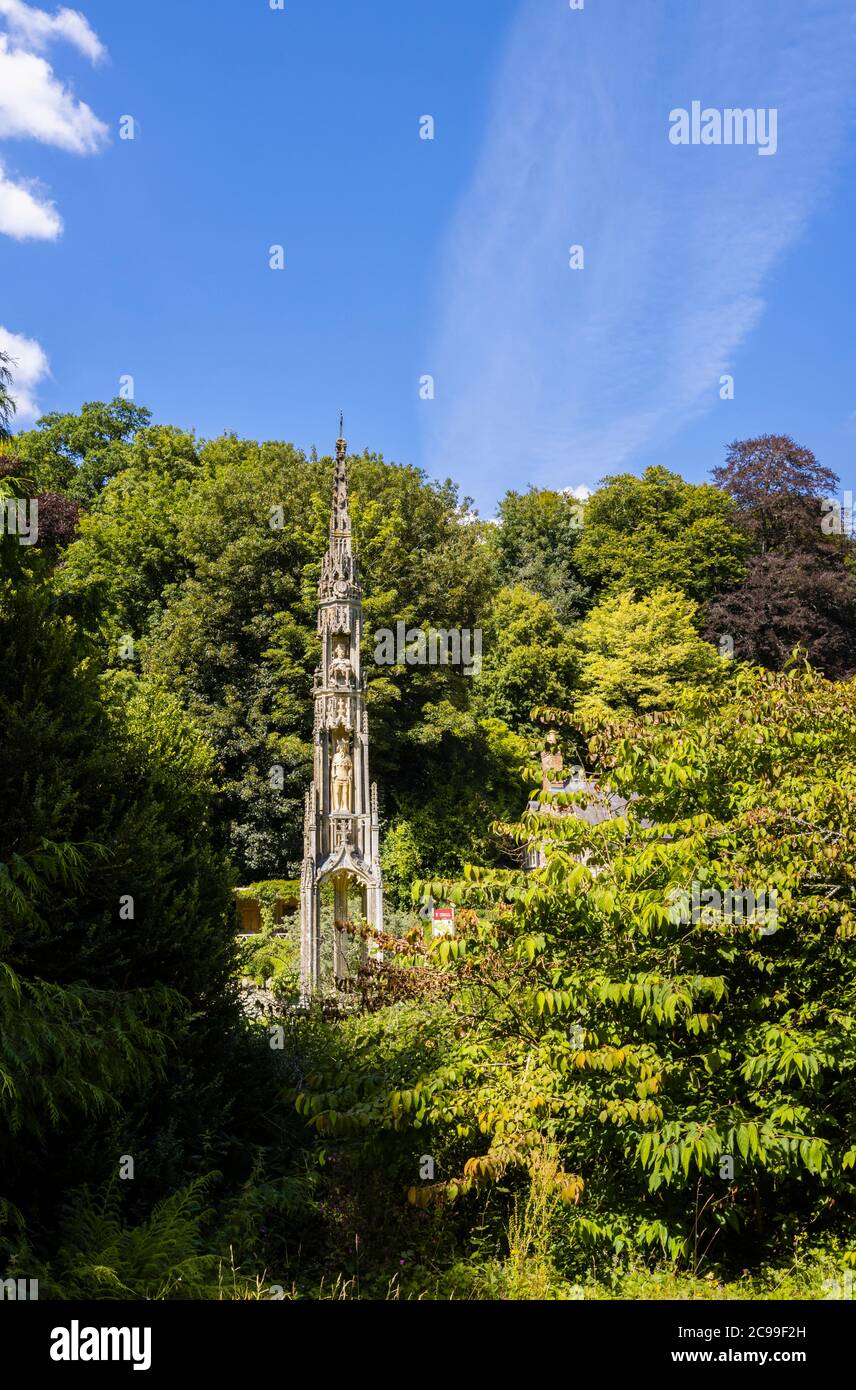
(444, 921)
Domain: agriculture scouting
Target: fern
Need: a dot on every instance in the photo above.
(162, 1258)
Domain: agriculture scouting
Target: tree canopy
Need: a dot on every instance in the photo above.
(640, 654)
(659, 531)
(633, 1062)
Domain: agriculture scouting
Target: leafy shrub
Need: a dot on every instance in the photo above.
(694, 1075)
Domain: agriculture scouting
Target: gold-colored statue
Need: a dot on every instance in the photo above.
(342, 774)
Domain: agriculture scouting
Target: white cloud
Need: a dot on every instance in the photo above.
(573, 373)
(24, 213)
(29, 368)
(37, 28)
(34, 105)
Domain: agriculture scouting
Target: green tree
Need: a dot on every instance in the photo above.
(132, 548)
(464, 774)
(402, 860)
(78, 454)
(659, 531)
(529, 659)
(209, 557)
(535, 543)
(120, 1023)
(7, 404)
(681, 1077)
(637, 654)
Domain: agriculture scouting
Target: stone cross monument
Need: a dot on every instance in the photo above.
(340, 828)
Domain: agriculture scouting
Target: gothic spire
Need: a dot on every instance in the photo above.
(341, 833)
(340, 520)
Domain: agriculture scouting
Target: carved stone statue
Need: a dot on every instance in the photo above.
(342, 774)
(341, 669)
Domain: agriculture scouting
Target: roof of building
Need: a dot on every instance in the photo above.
(601, 807)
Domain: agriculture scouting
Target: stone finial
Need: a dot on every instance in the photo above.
(552, 761)
(340, 519)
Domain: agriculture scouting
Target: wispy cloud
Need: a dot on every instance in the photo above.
(29, 367)
(26, 214)
(34, 105)
(37, 28)
(564, 374)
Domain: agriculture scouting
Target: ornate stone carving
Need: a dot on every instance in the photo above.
(341, 668)
(335, 618)
(341, 833)
(343, 777)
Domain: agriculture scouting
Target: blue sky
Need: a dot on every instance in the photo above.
(406, 257)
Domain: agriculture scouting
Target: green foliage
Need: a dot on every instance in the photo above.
(181, 554)
(529, 659)
(162, 1258)
(272, 962)
(273, 892)
(645, 1049)
(639, 654)
(271, 959)
(68, 1046)
(469, 773)
(118, 1010)
(535, 545)
(78, 454)
(401, 860)
(601, 1082)
(129, 554)
(67, 1050)
(659, 531)
(7, 403)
